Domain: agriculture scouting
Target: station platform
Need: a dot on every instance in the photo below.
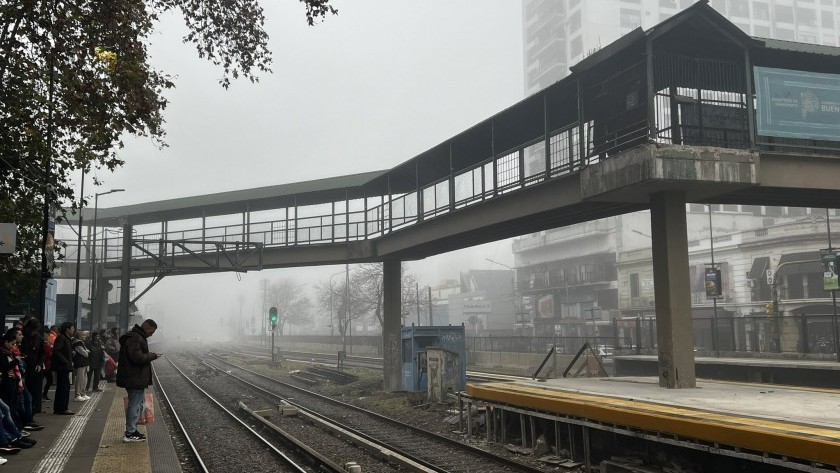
(91, 440)
(783, 421)
(794, 372)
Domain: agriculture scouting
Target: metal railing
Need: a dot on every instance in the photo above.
(789, 333)
(698, 99)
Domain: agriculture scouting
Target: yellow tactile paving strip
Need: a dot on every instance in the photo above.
(814, 443)
(114, 455)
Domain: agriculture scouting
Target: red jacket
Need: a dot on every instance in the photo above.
(48, 349)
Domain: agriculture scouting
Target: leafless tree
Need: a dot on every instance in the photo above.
(293, 308)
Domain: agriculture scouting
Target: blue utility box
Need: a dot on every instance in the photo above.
(415, 339)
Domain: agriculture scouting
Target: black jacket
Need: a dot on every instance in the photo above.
(97, 356)
(62, 356)
(9, 383)
(134, 368)
(79, 360)
(33, 351)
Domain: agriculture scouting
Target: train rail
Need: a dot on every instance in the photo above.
(195, 456)
(356, 362)
(216, 430)
(436, 452)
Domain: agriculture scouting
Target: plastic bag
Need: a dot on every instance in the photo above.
(147, 415)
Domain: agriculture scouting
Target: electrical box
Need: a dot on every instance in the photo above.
(415, 366)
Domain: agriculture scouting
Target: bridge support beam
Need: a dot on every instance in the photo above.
(672, 290)
(392, 317)
(99, 304)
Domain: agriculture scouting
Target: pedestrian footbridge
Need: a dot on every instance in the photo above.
(692, 110)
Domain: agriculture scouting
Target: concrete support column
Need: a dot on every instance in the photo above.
(99, 304)
(392, 317)
(672, 290)
(125, 279)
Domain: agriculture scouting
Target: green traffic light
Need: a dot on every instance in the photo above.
(272, 315)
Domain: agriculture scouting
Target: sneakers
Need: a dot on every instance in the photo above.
(80, 398)
(22, 442)
(134, 437)
(33, 427)
(24, 433)
(3, 460)
(9, 450)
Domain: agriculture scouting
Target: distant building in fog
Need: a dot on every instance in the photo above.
(559, 33)
(485, 302)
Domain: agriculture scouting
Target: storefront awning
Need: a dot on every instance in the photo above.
(759, 268)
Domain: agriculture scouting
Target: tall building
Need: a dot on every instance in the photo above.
(559, 33)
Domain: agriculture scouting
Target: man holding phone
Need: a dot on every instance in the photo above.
(134, 373)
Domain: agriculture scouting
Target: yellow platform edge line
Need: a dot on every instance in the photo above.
(113, 455)
(830, 434)
(738, 435)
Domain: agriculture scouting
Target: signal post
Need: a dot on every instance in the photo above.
(272, 318)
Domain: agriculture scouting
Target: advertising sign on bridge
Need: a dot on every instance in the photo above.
(797, 104)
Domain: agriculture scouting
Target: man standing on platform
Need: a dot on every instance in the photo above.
(134, 373)
(62, 364)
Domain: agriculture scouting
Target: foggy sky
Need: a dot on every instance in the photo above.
(365, 90)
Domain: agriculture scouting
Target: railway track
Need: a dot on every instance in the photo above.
(354, 362)
(218, 441)
(435, 452)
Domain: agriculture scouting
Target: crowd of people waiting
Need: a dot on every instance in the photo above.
(31, 358)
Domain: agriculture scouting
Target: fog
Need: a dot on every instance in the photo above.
(365, 90)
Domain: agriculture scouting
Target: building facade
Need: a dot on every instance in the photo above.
(596, 278)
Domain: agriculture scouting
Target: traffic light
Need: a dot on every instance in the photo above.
(272, 316)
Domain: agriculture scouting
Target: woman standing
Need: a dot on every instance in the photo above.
(49, 335)
(11, 382)
(32, 349)
(62, 365)
(97, 361)
(80, 364)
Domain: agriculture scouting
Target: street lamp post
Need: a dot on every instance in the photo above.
(93, 251)
(595, 334)
(76, 305)
(715, 345)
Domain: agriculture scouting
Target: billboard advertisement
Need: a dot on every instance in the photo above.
(545, 306)
(797, 104)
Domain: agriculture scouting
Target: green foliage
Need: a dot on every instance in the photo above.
(75, 79)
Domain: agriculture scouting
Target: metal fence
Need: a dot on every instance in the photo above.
(789, 333)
